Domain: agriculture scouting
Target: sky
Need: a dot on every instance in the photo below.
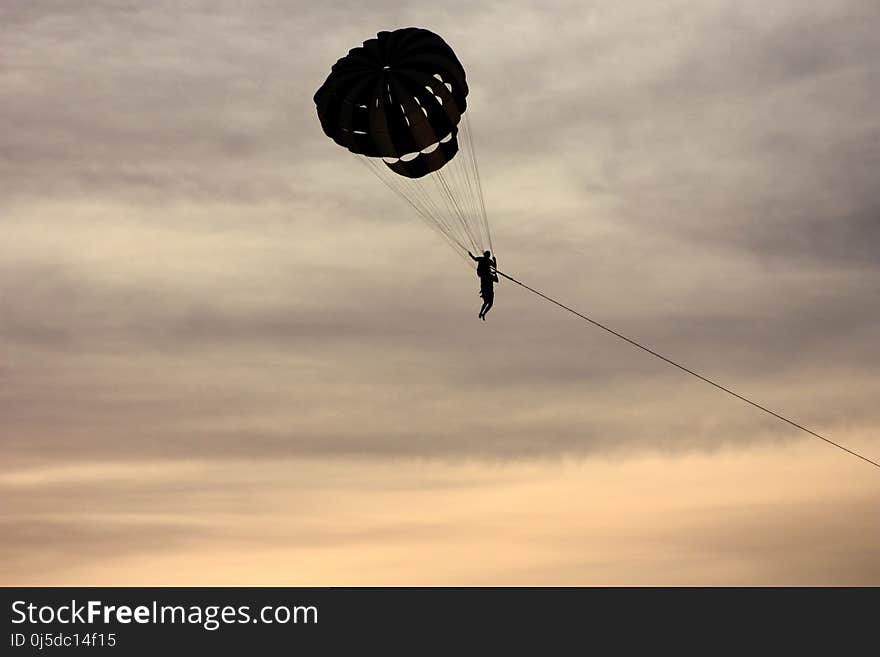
(228, 355)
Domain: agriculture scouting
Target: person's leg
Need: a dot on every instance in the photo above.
(487, 306)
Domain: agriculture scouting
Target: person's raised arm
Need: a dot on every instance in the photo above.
(473, 257)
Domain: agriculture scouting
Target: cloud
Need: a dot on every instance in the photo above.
(192, 271)
(755, 521)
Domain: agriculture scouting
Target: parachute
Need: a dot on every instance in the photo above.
(398, 102)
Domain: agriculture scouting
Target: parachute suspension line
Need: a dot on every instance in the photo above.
(449, 199)
(450, 212)
(436, 214)
(389, 181)
(479, 184)
(458, 190)
(422, 208)
(443, 215)
(685, 369)
(456, 208)
(471, 173)
(460, 172)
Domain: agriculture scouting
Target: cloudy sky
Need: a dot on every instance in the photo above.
(228, 355)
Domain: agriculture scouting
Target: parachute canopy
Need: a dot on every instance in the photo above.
(398, 96)
(401, 98)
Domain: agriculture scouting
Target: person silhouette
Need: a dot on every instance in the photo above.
(486, 265)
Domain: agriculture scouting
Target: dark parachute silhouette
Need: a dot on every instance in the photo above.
(398, 101)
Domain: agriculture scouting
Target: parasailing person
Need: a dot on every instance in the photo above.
(486, 267)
